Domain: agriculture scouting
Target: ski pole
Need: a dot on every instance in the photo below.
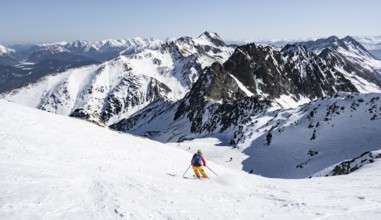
(187, 170)
(212, 170)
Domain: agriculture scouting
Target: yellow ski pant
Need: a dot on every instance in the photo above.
(198, 170)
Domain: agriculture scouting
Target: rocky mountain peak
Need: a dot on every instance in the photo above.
(320, 44)
(294, 49)
(223, 86)
(350, 40)
(293, 71)
(212, 37)
(333, 43)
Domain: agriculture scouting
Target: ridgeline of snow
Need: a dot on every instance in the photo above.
(351, 50)
(55, 167)
(80, 46)
(369, 42)
(356, 54)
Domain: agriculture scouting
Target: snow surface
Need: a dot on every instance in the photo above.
(287, 101)
(338, 128)
(55, 167)
(354, 54)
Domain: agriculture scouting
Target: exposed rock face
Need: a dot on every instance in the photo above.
(127, 95)
(292, 71)
(349, 166)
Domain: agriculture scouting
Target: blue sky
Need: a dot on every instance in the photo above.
(57, 20)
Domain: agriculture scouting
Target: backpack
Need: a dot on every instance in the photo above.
(196, 160)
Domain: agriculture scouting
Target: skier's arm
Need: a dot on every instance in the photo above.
(203, 161)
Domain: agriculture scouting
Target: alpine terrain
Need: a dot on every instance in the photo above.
(252, 103)
(253, 98)
(270, 120)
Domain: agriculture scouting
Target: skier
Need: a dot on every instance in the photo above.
(197, 162)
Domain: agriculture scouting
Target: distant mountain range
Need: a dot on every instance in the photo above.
(371, 43)
(295, 101)
(26, 63)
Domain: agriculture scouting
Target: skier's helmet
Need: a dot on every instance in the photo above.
(199, 151)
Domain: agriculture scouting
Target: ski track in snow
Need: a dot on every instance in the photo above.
(55, 167)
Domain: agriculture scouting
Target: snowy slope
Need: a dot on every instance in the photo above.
(297, 143)
(77, 170)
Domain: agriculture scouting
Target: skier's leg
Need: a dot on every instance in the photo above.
(203, 172)
(195, 169)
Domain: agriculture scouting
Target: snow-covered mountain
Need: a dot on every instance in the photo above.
(29, 63)
(348, 48)
(258, 83)
(116, 89)
(371, 43)
(287, 77)
(76, 170)
(300, 72)
(96, 50)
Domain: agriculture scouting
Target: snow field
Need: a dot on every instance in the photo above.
(55, 167)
